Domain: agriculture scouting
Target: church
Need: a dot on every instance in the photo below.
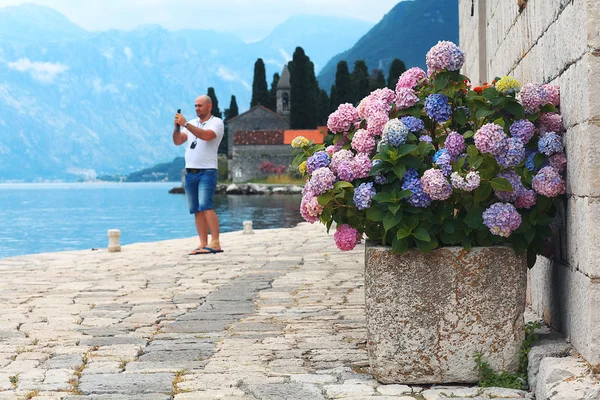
(260, 135)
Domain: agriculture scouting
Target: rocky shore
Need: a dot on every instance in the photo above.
(249, 188)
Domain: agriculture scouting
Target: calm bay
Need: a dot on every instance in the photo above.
(49, 217)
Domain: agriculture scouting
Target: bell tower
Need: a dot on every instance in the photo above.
(283, 94)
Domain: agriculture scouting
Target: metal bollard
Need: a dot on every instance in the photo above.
(113, 240)
(248, 228)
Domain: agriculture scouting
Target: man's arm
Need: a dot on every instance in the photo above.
(204, 134)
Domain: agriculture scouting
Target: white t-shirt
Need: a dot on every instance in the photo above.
(204, 155)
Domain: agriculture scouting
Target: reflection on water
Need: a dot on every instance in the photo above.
(37, 218)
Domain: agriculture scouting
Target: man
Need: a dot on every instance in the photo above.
(205, 134)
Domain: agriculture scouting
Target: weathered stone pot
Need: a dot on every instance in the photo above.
(428, 314)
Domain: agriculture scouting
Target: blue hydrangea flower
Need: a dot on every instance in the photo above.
(379, 178)
(513, 155)
(316, 161)
(502, 219)
(413, 124)
(394, 133)
(550, 143)
(444, 161)
(529, 164)
(363, 195)
(437, 107)
(411, 182)
(438, 154)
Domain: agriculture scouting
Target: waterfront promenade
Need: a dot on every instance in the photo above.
(278, 315)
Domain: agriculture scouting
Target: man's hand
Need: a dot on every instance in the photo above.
(180, 120)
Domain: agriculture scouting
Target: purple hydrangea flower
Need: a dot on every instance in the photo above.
(437, 107)
(558, 161)
(550, 122)
(361, 166)
(532, 97)
(316, 161)
(345, 170)
(379, 178)
(436, 185)
(515, 153)
(527, 199)
(550, 143)
(502, 219)
(444, 55)
(552, 94)
(490, 138)
(411, 182)
(548, 182)
(413, 124)
(455, 144)
(322, 180)
(338, 157)
(394, 133)
(523, 130)
(517, 186)
(363, 195)
(444, 161)
(425, 138)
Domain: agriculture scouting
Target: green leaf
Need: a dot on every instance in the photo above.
(500, 122)
(472, 151)
(483, 192)
(548, 108)
(377, 168)
(391, 220)
(404, 194)
(383, 197)
(516, 109)
(441, 81)
(421, 234)
(402, 233)
(399, 170)
(394, 208)
(325, 198)
(460, 116)
(342, 184)
(501, 184)
(399, 246)
(539, 159)
(298, 159)
(476, 162)
(474, 219)
(468, 134)
(426, 247)
(484, 112)
(405, 149)
(531, 258)
(375, 214)
(412, 222)
(448, 227)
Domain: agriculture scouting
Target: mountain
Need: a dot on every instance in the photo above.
(407, 32)
(76, 104)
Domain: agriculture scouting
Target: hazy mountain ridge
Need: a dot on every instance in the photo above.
(75, 103)
(407, 32)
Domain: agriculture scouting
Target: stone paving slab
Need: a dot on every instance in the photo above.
(278, 315)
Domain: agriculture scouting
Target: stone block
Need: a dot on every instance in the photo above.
(583, 235)
(427, 315)
(582, 145)
(565, 379)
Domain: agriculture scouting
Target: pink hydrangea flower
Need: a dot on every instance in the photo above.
(310, 209)
(553, 94)
(436, 185)
(345, 170)
(322, 180)
(490, 138)
(406, 98)
(558, 161)
(411, 78)
(468, 183)
(550, 122)
(548, 182)
(343, 118)
(455, 144)
(362, 166)
(532, 97)
(346, 237)
(339, 157)
(363, 141)
(527, 199)
(376, 122)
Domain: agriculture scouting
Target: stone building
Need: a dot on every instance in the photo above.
(261, 135)
(554, 42)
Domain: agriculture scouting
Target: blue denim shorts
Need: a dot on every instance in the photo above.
(200, 189)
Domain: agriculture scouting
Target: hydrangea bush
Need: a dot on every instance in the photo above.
(437, 162)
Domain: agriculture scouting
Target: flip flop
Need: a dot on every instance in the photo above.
(211, 251)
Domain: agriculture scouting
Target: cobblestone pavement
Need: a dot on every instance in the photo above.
(278, 315)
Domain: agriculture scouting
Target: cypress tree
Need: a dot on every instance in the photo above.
(215, 102)
(260, 93)
(377, 79)
(360, 81)
(323, 108)
(303, 107)
(396, 69)
(343, 87)
(273, 92)
(232, 111)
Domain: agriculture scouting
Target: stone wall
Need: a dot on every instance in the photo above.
(247, 159)
(554, 41)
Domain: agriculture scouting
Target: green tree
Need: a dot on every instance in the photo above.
(303, 110)
(377, 79)
(360, 81)
(343, 86)
(215, 102)
(273, 92)
(323, 108)
(260, 93)
(396, 69)
(232, 111)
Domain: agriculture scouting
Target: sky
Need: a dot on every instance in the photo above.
(249, 19)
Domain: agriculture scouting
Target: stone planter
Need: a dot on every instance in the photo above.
(427, 314)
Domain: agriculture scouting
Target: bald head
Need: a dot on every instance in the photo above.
(203, 107)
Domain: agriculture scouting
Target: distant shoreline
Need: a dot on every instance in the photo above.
(249, 189)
